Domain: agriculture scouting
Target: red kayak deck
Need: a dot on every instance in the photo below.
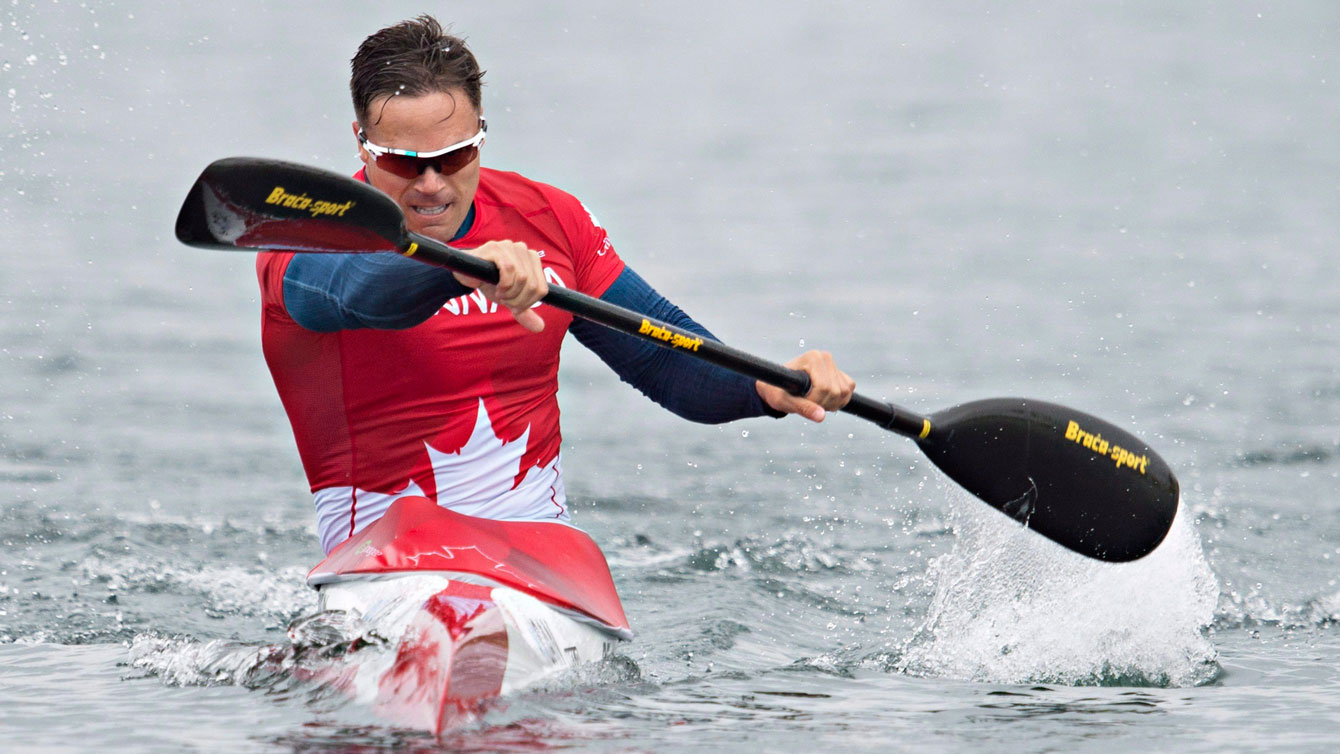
(552, 562)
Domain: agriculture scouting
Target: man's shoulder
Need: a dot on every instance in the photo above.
(534, 200)
(503, 187)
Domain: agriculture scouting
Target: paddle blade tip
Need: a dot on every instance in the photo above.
(251, 203)
(1072, 477)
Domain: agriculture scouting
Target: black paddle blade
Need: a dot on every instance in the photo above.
(1069, 476)
(250, 203)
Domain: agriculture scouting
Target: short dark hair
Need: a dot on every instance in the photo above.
(412, 58)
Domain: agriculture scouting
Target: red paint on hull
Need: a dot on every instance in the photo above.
(452, 657)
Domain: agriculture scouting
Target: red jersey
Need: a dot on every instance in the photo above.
(462, 408)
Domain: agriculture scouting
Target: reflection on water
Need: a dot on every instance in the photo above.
(1040, 701)
(518, 736)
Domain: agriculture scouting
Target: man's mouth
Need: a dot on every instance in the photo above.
(429, 210)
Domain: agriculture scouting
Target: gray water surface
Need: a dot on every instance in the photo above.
(1130, 208)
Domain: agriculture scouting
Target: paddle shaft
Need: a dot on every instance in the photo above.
(794, 381)
(1072, 477)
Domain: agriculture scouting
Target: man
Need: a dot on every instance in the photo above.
(404, 379)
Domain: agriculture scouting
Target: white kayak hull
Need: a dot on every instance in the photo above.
(460, 610)
(456, 643)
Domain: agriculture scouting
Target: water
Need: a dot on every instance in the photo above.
(1127, 208)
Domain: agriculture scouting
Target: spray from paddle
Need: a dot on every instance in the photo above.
(1013, 609)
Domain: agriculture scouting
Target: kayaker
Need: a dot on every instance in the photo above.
(404, 379)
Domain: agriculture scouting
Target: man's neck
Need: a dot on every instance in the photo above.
(466, 224)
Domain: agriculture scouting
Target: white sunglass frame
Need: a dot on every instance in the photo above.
(377, 150)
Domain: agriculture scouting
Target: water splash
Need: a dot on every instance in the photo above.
(790, 555)
(1255, 609)
(276, 596)
(1011, 607)
(324, 654)
(186, 662)
(331, 661)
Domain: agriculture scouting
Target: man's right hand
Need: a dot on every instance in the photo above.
(520, 284)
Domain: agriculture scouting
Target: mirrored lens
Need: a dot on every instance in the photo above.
(413, 167)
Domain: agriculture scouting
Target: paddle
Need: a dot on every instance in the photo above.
(1076, 479)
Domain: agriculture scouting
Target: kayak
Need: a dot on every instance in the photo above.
(468, 609)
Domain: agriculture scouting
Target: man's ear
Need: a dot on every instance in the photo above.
(362, 153)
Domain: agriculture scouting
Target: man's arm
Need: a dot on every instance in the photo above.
(329, 292)
(689, 387)
(385, 291)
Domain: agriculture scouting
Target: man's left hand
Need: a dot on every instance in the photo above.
(830, 388)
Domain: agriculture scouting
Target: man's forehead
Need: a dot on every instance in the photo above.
(442, 104)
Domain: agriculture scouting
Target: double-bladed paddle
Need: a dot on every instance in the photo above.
(1074, 478)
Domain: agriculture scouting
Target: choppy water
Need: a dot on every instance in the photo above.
(1129, 208)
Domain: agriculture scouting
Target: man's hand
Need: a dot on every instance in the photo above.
(520, 280)
(830, 388)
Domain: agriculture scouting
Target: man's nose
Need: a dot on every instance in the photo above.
(430, 181)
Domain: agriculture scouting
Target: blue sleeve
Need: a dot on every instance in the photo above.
(329, 292)
(691, 388)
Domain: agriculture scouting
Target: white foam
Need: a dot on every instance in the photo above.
(184, 662)
(1012, 607)
(276, 595)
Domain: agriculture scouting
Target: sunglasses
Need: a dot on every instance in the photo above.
(409, 164)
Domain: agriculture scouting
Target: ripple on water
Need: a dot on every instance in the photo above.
(1290, 454)
(91, 578)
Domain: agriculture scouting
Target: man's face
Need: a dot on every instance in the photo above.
(435, 205)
